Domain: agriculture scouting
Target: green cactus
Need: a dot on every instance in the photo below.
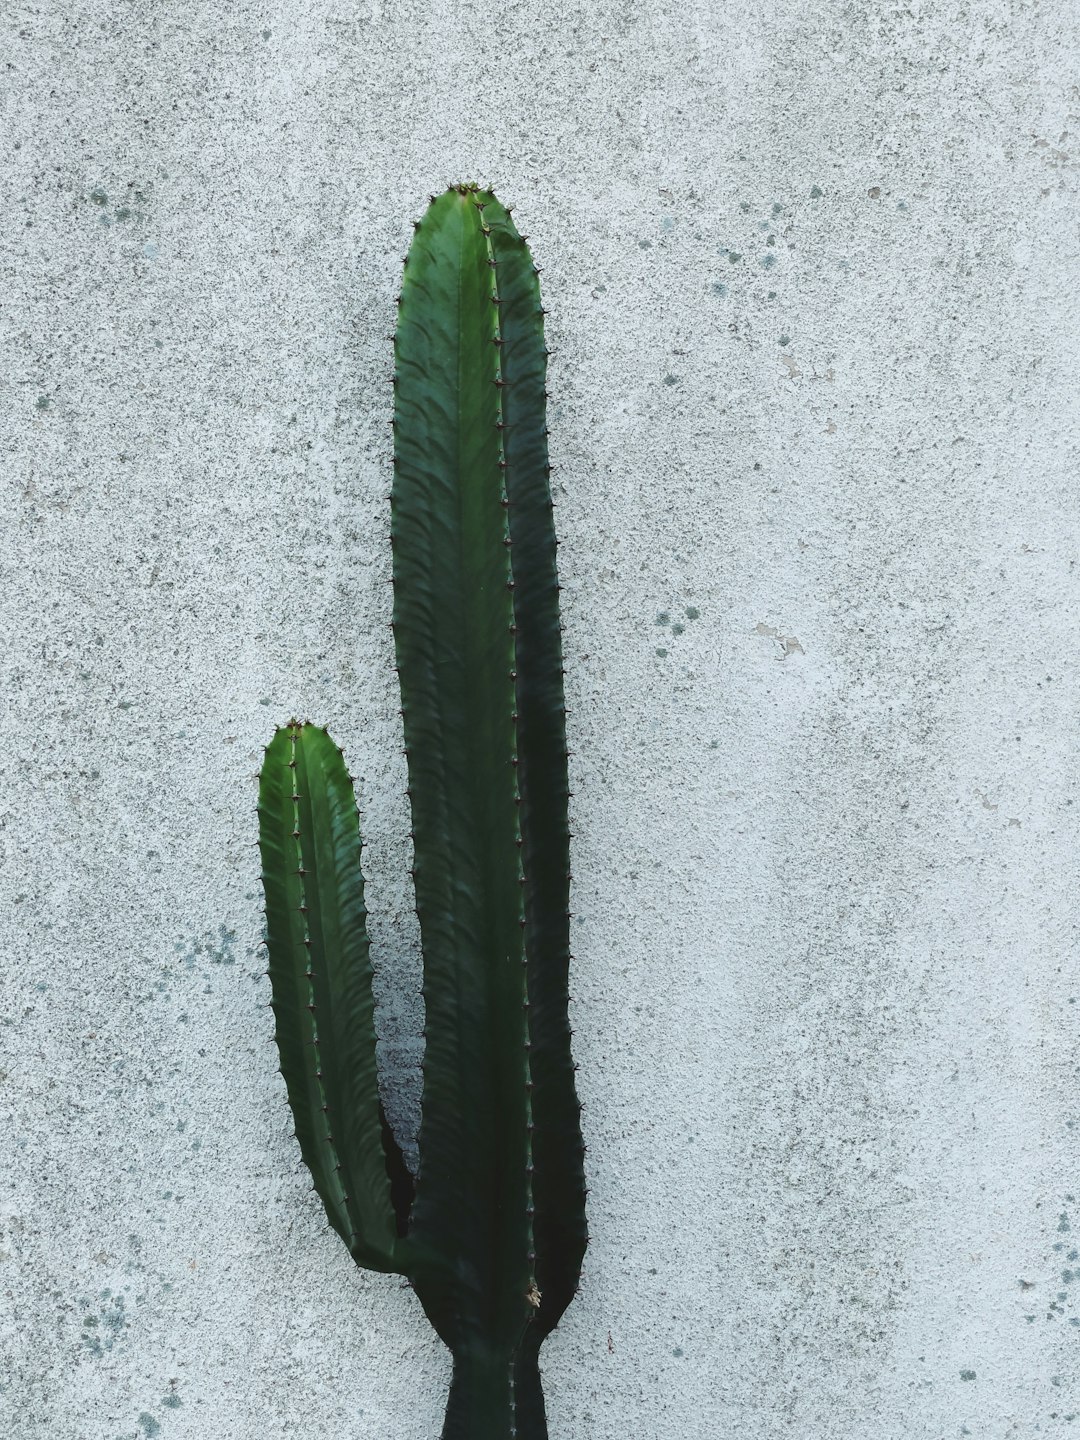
(491, 1231)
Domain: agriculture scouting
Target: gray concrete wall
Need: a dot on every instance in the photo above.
(812, 274)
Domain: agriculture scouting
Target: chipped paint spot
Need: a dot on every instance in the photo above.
(788, 643)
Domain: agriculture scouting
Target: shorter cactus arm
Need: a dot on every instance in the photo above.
(320, 974)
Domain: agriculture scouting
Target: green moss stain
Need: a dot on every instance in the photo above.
(219, 949)
(967, 1374)
(816, 192)
(149, 1425)
(103, 1327)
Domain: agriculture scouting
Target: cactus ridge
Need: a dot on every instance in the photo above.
(492, 1231)
(542, 769)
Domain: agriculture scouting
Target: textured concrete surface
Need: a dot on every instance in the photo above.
(812, 275)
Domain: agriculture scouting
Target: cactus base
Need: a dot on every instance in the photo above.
(495, 1397)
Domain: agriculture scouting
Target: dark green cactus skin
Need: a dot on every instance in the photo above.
(320, 976)
(493, 1237)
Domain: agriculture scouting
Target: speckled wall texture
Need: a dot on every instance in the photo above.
(811, 268)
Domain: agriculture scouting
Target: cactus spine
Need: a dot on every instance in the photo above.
(492, 1231)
